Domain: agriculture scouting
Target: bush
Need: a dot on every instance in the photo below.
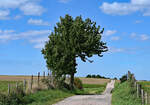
(93, 76)
(48, 83)
(78, 83)
(98, 76)
(88, 76)
(123, 78)
(16, 97)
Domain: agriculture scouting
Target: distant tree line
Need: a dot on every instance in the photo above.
(96, 76)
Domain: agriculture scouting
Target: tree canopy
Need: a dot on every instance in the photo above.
(70, 39)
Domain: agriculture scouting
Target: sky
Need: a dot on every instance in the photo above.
(26, 24)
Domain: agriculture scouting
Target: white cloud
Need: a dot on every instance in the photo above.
(38, 37)
(125, 8)
(11, 3)
(32, 9)
(115, 38)
(144, 37)
(38, 22)
(116, 50)
(133, 35)
(17, 17)
(29, 7)
(4, 14)
(109, 32)
(138, 21)
(39, 42)
(64, 1)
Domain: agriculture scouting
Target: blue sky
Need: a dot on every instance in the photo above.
(26, 24)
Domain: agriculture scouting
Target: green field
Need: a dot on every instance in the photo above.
(91, 89)
(123, 94)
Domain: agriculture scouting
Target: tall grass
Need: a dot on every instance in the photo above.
(47, 97)
(4, 85)
(124, 94)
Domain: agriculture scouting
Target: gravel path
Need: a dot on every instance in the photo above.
(104, 99)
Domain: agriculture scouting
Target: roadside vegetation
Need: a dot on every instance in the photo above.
(124, 92)
(47, 96)
(4, 85)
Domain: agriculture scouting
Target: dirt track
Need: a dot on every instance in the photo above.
(104, 99)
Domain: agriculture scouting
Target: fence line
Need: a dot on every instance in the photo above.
(34, 80)
(140, 93)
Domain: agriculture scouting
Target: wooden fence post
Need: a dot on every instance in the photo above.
(146, 97)
(142, 96)
(16, 85)
(44, 75)
(38, 78)
(135, 84)
(31, 82)
(48, 74)
(24, 85)
(8, 89)
(137, 89)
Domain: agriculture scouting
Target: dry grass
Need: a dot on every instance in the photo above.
(94, 81)
(16, 78)
(84, 80)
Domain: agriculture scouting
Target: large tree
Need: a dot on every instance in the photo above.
(70, 39)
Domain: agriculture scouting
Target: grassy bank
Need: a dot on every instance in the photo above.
(47, 97)
(123, 94)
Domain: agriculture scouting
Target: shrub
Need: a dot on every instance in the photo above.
(93, 76)
(78, 83)
(48, 83)
(14, 98)
(88, 76)
(123, 78)
(115, 78)
(98, 76)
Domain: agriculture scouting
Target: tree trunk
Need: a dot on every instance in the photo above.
(72, 81)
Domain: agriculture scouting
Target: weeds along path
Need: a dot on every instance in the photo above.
(104, 99)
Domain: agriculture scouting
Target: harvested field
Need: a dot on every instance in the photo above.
(84, 80)
(15, 78)
(94, 81)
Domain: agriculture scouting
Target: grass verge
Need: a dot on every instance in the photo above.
(47, 97)
(91, 89)
(4, 85)
(123, 94)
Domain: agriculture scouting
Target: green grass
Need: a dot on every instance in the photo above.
(47, 97)
(4, 85)
(91, 89)
(123, 94)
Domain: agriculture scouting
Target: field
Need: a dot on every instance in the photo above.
(94, 81)
(47, 97)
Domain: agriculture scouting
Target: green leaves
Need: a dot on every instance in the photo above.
(72, 38)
